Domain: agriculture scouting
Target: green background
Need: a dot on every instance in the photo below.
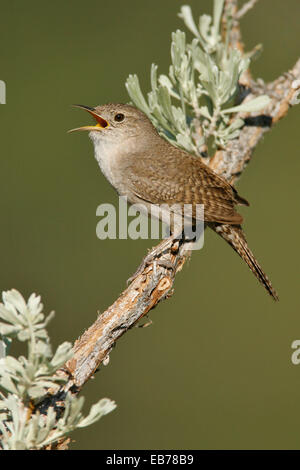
(214, 370)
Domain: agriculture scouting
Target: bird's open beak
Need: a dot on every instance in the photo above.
(101, 123)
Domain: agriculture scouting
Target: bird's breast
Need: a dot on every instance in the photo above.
(107, 155)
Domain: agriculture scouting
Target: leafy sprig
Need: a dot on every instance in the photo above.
(24, 382)
(193, 106)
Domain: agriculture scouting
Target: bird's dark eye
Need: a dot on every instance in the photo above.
(119, 117)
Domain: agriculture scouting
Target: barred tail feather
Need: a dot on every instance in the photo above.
(234, 235)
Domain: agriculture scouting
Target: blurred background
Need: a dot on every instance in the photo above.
(214, 369)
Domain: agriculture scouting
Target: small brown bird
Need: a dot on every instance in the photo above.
(147, 169)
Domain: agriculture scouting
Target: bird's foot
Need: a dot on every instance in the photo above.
(151, 258)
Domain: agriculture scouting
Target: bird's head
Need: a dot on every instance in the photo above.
(116, 122)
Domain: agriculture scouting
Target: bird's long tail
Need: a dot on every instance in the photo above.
(234, 235)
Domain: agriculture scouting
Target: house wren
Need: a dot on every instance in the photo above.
(147, 169)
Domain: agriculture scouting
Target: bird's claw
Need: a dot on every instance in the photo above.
(146, 262)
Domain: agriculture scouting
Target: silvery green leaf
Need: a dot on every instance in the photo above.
(163, 122)
(227, 132)
(165, 102)
(134, 91)
(185, 70)
(23, 360)
(16, 408)
(41, 333)
(51, 418)
(152, 99)
(233, 135)
(177, 49)
(205, 112)
(23, 335)
(37, 391)
(210, 70)
(13, 297)
(46, 432)
(34, 303)
(107, 405)
(50, 381)
(30, 371)
(199, 58)
(2, 348)
(229, 76)
(184, 142)
(43, 436)
(256, 104)
(236, 124)
(204, 27)
(211, 90)
(62, 354)
(8, 385)
(10, 316)
(243, 65)
(235, 63)
(9, 330)
(166, 82)
(218, 9)
(72, 412)
(225, 121)
(172, 75)
(153, 76)
(187, 16)
(36, 317)
(227, 86)
(102, 408)
(12, 363)
(43, 348)
(33, 429)
(163, 109)
(49, 318)
(179, 118)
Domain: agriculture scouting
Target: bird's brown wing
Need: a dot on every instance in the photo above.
(180, 178)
